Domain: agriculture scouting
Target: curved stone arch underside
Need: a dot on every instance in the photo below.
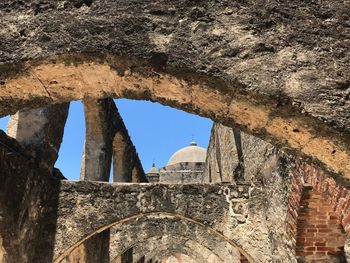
(210, 238)
(125, 236)
(155, 247)
(62, 79)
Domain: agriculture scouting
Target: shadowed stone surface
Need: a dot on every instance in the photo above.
(131, 234)
(40, 131)
(30, 212)
(156, 246)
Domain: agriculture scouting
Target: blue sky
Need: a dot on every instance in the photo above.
(156, 130)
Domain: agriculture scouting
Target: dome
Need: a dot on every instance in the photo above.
(153, 170)
(189, 154)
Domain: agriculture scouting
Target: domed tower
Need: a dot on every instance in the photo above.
(184, 166)
(153, 174)
(191, 158)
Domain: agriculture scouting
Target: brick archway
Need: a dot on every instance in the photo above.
(318, 207)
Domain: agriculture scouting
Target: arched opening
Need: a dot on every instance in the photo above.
(172, 245)
(158, 225)
(207, 97)
(288, 131)
(244, 64)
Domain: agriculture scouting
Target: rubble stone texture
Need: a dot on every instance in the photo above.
(314, 229)
(261, 164)
(275, 70)
(250, 63)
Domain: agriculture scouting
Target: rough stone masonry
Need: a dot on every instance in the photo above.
(275, 70)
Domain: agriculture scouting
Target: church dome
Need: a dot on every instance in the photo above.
(153, 170)
(189, 154)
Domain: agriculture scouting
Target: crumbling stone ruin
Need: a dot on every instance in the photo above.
(272, 75)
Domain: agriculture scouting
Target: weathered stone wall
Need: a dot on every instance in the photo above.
(238, 212)
(284, 180)
(40, 131)
(162, 247)
(256, 162)
(28, 202)
(253, 63)
(180, 177)
(227, 164)
(130, 234)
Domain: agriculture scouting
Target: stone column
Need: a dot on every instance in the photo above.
(121, 160)
(41, 131)
(96, 165)
(127, 166)
(96, 162)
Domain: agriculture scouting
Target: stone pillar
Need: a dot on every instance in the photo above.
(96, 165)
(96, 162)
(121, 162)
(127, 166)
(41, 131)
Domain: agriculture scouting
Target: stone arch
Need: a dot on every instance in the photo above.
(213, 235)
(154, 246)
(227, 210)
(66, 78)
(152, 227)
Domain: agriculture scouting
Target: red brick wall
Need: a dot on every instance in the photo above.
(337, 196)
(293, 206)
(324, 202)
(320, 235)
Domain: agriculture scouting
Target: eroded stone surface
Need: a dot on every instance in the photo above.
(255, 161)
(158, 247)
(40, 130)
(211, 205)
(28, 198)
(254, 63)
(125, 236)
